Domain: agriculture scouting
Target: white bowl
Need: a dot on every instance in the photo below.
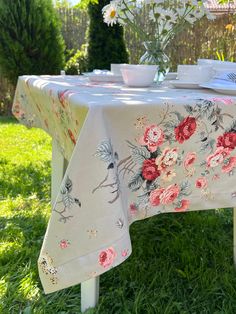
(138, 75)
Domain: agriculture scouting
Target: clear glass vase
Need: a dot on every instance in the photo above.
(155, 55)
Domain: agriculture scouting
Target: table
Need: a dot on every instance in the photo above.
(119, 155)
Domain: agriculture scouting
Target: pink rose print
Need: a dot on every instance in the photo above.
(149, 170)
(107, 257)
(169, 194)
(168, 158)
(227, 140)
(230, 165)
(184, 205)
(155, 196)
(164, 196)
(152, 138)
(190, 159)
(133, 209)
(201, 183)
(217, 157)
(185, 129)
(64, 244)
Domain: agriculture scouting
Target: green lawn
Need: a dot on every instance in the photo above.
(181, 263)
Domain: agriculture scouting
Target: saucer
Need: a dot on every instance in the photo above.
(103, 77)
(184, 84)
(228, 89)
(171, 76)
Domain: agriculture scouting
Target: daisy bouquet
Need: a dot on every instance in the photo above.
(166, 18)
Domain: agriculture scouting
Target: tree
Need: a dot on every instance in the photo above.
(30, 38)
(105, 44)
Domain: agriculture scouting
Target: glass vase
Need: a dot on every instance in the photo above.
(155, 55)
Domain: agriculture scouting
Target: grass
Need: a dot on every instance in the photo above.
(181, 263)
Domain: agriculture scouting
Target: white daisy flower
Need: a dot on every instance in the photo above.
(110, 13)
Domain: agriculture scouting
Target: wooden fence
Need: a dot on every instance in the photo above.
(203, 40)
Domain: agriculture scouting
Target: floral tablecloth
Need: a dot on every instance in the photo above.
(133, 153)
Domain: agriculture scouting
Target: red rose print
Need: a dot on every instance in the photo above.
(71, 136)
(155, 196)
(201, 183)
(152, 138)
(190, 159)
(149, 170)
(227, 140)
(185, 129)
(169, 194)
(107, 257)
(230, 165)
(184, 205)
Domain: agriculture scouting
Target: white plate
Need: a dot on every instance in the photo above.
(103, 77)
(171, 76)
(183, 84)
(229, 89)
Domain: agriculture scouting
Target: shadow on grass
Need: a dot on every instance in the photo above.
(22, 180)
(8, 120)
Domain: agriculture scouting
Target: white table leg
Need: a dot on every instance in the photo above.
(59, 164)
(89, 293)
(89, 288)
(234, 228)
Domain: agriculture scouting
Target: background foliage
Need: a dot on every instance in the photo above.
(105, 44)
(30, 39)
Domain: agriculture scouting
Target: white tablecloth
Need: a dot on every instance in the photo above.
(133, 153)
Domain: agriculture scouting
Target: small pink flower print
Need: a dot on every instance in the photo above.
(133, 209)
(185, 129)
(107, 257)
(17, 110)
(168, 158)
(149, 170)
(169, 194)
(152, 138)
(190, 159)
(184, 205)
(201, 183)
(124, 253)
(155, 196)
(227, 140)
(217, 157)
(230, 165)
(64, 244)
(216, 177)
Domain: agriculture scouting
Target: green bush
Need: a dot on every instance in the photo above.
(78, 63)
(30, 38)
(105, 43)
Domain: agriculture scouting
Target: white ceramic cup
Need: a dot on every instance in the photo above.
(115, 68)
(195, 73)
(138, 75)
